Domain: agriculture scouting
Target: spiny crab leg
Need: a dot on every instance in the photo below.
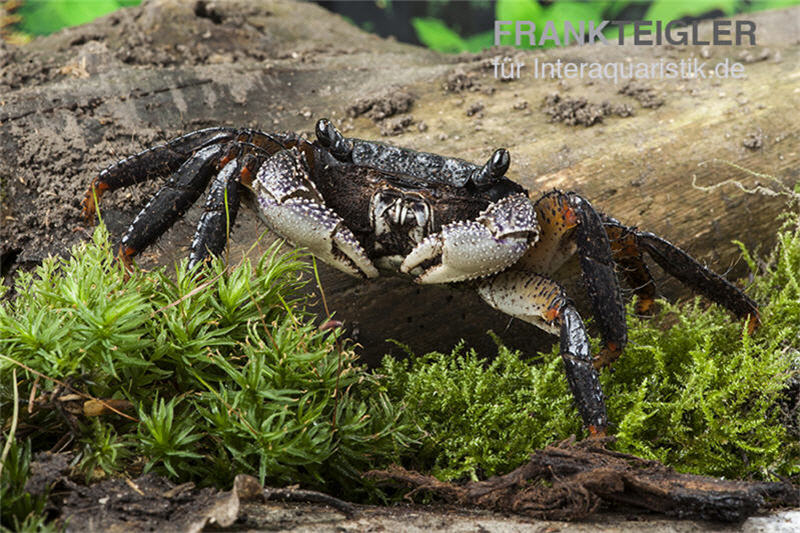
(220, 210)
(600, 279)
(542, 302)
(291, 205)
(171, 201)
(157, 162)
(686, 269)
(477, 248)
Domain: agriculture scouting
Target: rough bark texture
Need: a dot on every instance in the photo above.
(77, 101)
(564, 482)
(570, 481)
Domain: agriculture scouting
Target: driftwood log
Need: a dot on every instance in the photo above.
(77, 101)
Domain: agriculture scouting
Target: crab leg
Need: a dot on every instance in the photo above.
(542, 302)
(600, 279)
(569, 224)
(688, 271)
(222, 206)
(628, 255)
(157, 162)
(171, 201)
(163, 160)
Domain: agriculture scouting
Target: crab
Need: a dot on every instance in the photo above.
(371, 209)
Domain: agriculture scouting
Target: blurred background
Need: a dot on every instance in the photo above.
(449, 26)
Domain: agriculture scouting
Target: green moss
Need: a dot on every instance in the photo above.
(481, 418)
(225, 371)
(227, 374)
(692, 389)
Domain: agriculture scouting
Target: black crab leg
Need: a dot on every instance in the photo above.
(165, 159)
(157, 162)
(600, 279)
(171, 201)
(418, 166)
(542, 302)
(189, 181)
(568, 225)
(221, 208)
(691, 273)
(628, 255)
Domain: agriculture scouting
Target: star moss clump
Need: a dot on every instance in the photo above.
(213, 375)
(692, 390)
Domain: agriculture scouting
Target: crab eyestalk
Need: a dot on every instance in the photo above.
(494, 169)
(332, 139)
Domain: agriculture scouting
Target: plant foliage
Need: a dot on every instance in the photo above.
(692, 390)
(225, 371)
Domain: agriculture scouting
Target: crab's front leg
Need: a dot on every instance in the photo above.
(290, 204)
(542, 302)
(477, 248)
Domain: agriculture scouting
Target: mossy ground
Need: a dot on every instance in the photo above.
(226, 373)
(692, 390)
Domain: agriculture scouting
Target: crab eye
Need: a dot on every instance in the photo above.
(329, 137)
(494, 169)
(499, 163)
(324, 132)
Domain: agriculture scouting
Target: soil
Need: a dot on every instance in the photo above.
(566, 482)
(579, 111)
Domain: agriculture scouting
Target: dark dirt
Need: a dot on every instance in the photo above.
(391, 127)
(461, 81)
(579, 111)
(149, 503)
(475, 109)
(647, 96)
(383, 106)
(754, 140)
(564, 482)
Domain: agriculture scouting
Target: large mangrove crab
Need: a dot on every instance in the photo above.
(368, 209)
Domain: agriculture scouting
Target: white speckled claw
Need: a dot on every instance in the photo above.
(290, 204)
(478, 248)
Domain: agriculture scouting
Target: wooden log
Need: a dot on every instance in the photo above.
(79, 100)
(570, 481)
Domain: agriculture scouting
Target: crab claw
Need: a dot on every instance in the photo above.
(474, 249)
(291, 205)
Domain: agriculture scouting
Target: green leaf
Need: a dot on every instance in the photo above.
(435, 35)
(480, 41)
(517, 10)
(47, 16)
(666, 10)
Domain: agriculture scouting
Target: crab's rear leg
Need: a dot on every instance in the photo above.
(165, 159)
(171, 201)
(628, 255)
(542, 302)
(220, 210)
(691, 273)
(157, 162)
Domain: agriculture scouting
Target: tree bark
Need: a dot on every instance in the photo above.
(76, 102)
